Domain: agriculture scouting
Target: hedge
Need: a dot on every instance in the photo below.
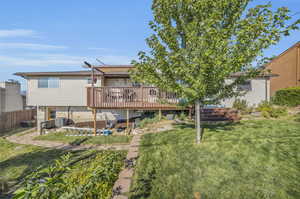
(287, 97)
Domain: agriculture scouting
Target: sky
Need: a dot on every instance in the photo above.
(58, 35)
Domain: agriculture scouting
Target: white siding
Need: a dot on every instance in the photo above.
(10, 97)
(71, 92)
(2, 100)
(260, 92)
(111, 82)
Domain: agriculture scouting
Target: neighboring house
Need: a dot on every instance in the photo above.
(10, 96)
(71, 95)
(254, 91)
(287, 67)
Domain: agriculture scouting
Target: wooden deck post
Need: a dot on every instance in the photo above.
(159, 114)
(127, 120)
(95, 121)
(190, 113)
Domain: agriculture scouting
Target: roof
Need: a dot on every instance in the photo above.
(114, 68)
(108, 70)
(69, 73)
(56, 73)
(239, 74)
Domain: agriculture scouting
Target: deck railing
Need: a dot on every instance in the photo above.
(130, 97)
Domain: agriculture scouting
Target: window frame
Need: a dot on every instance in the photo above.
(49, 82)
(245, 86)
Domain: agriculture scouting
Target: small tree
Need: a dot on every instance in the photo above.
(198, 44)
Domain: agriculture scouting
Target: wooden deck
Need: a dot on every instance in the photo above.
(146, 98)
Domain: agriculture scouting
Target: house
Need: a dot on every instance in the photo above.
(287, 66)
(254, 91)
(74, 94)
(10, 96)
(109, 93)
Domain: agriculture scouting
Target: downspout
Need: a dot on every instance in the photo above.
(68, 121)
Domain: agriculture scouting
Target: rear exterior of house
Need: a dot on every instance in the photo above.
(287, 67)
(10, 96)
(113, 95)
(64, 94)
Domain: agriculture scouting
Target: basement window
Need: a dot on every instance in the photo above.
(48, 82)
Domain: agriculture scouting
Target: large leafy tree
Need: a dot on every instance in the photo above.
(198, 44)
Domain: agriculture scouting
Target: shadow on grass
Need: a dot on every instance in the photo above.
(32, 161)
(12, 131)
(217, 128)
(209, 125)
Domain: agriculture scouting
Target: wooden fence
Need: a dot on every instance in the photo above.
(10, 120)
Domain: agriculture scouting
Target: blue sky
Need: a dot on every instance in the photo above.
(55, 35)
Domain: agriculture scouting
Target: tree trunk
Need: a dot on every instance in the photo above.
(198, 120)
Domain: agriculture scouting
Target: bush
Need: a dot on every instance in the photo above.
(182, 116)
(242, 106)
(287, 97)
(297, 118)
(269, 110)
(264, 106)
(149, 120)
(277, 112)
(90, 176)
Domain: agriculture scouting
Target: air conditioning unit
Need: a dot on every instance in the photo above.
(60, 122)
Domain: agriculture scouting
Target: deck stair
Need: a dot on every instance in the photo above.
(219, 114)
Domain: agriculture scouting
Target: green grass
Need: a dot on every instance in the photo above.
(89, 174)
(253, 159)
(111, 139)
(17, 131)
(17, 161)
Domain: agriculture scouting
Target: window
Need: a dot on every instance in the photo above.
(48, 82)
(246, 86)
(52, 114)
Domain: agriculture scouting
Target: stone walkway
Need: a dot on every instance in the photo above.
(122, 185)
(28, 138)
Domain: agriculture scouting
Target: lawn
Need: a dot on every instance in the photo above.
(17, 162)
(98, 140)
(251, 159)
(14, 131)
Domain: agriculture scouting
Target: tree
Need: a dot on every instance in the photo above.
(198, 44)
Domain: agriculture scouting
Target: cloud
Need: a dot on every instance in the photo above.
(101, 49)
(41, 60)
(17, 33)
(48, 60)
(31, 46)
